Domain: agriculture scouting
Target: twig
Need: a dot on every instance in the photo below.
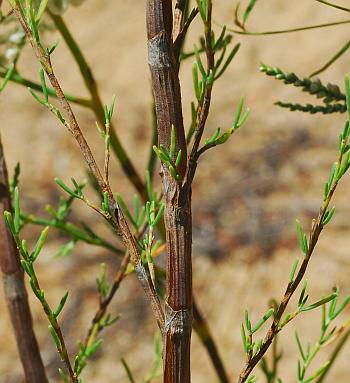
(316, 228)
(332, 60)
(117, 220)
(103, 305)
(292, 30)
(333, 5)
(15, 291)
(16, 78)
(204, 104)
(97, 105)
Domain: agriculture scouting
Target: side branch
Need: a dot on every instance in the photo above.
(117, 219)
(15, 291)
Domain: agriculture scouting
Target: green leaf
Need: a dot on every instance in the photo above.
(66, 249)
(196, 84)
(328, 216)
(61, 305)
(319, 303)
(266, 316)
(39, 245)
(294, 268)
(41, 10)
(43, 85)
(178, 158)
(9, 222)
(247, 321)
(347, 93)
(60, 183)
(55, 338)
(125, 209)
(159, 215)
(17, 212)
(172, 142)
(228, 61)
(7, 77)
(300, 347)
(105, 203)
(248, 10)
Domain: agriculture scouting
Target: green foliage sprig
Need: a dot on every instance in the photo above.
(312, 109)
(327, 334)
(168, 158)
(307, 244)
(330, 94)
(28, 260)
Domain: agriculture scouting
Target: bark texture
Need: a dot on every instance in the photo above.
(177, 215)
(15, 292)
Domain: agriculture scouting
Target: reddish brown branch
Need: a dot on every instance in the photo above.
(117, 219)
(177, 215)
(15, 292)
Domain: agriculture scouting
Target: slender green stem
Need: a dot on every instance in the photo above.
(282, 31)
(72, 230)
(332, 60)
(97, 105)
(334, 5)
(18, 79)
(334, 355)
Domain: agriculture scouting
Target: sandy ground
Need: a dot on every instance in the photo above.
(246, 196)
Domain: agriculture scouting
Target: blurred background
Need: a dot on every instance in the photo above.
(246, 196)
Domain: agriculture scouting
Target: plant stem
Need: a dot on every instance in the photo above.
(334, 355)
(292, 30)
(117, 219)
(18, 79)
(177, 216)
(97, 104)
(332, 60)
(316, 229)
(15, 291)
(334, 5)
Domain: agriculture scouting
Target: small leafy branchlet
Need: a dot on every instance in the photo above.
(45, 101)
(108, 114)
(338, 170)
(154, 372)
(15, 225)
(328, 333)
(250, 347)
(154, 213)
(312, 109)
(78, 194)
(217, 139)
(331, 94)
(7, 77)
(59, 220)
(248, 10)
(91, 344)
(168, 158)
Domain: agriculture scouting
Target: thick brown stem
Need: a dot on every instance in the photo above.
(15, 292)
(177, 216)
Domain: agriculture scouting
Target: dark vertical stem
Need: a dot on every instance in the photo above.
(202, 329)
(177, 216)
(15, 292)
